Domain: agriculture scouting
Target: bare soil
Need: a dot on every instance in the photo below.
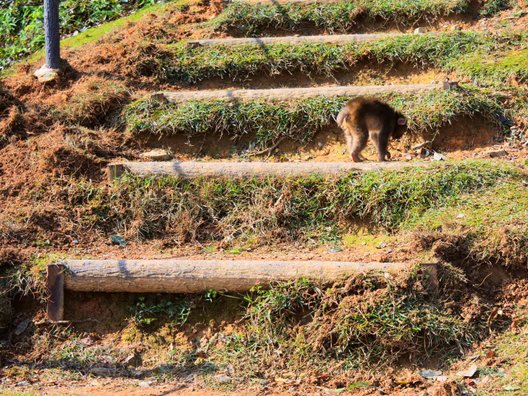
(41, 152)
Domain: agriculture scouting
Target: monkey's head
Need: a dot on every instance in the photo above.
(401, 126)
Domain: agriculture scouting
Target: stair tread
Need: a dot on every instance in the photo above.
(296, 93)
(190, 169)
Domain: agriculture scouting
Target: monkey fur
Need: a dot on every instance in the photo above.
(364, 117)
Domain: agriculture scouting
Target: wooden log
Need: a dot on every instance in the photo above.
(288, 94)
(197, 276)
(55, 286)
(320, 39)
(277, 2)
(194, 169)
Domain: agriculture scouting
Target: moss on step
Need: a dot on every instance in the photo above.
(301, 120)
(339, 16)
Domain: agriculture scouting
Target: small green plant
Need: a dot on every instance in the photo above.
(146, 313)
(212, 295)
(492, 7)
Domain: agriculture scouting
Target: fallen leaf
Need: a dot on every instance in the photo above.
(468, 373)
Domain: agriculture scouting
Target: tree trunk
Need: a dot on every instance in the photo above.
(323, 39)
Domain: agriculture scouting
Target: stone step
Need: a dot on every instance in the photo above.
(194, 169)
(285, 94)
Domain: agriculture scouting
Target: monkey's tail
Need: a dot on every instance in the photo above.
(342, 116)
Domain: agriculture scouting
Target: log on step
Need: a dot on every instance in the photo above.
(275, 2)
(321, 39)
(197, 276)
(287, 94)
(195, 169)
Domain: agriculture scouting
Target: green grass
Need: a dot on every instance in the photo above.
(96, 101)
(363, 322)
(21, 22)
(238, 62)
(145, 313)
(511, 348)
(300, 121)
(313, 208)
(340, 16)
(495, 66)
(491, 227)
(490, 58)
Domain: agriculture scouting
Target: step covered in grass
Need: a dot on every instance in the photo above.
(193, 169)
(269, 210)
(300, 119)
(492, 59)
(282, 94)
(250, 17)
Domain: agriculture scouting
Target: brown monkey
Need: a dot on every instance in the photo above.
(362, 118)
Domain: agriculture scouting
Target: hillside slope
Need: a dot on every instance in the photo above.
(460, 201)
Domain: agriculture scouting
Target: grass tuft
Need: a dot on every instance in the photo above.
(364, 321)
(490, 228)
(95, 100)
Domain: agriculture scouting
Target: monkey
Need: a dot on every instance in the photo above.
(365, 117)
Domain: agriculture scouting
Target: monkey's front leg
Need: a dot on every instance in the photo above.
(381, 141)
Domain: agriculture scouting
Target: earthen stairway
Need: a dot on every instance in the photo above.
(178, 276)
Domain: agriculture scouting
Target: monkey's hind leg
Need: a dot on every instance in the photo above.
(349, 142)
(359, 141)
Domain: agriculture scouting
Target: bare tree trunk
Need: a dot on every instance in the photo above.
(52, 32)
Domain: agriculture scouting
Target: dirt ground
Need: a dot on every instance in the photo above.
(42, 151)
